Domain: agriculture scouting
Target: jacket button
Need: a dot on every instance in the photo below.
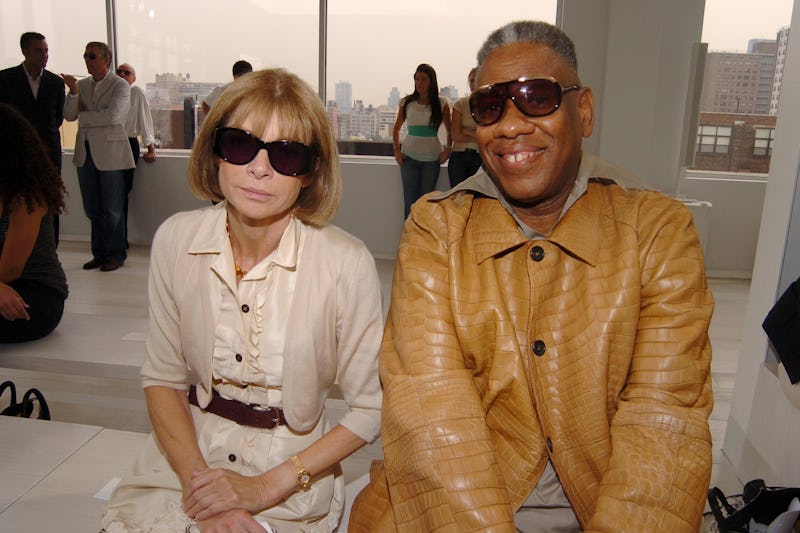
(232, 458)
(537, 253)
(538, 347)
(245, 308)
(238, 358)
(549, 444)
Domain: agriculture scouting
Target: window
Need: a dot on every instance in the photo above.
(366, 76)
(183, 49)
(765, 137)
(66, 42)
(714, 139)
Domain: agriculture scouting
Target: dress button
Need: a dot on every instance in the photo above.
(537, 253)
(538, 347)
(238, 358)
(549, 444)
(232, 458)
(245, 308)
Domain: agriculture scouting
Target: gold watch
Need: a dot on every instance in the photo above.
(303, 475)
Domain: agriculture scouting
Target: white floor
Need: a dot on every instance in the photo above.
(88, 371)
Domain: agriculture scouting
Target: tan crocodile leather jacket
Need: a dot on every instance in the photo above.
(589, 348)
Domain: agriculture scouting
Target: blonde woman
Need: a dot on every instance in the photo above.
(257, 305)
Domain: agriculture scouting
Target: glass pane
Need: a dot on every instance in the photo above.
(721, 149)
(724, 131)
(65, 41)
(723, 141)
(743, 71)
(374, 48)
(762, 133)
(181, 51)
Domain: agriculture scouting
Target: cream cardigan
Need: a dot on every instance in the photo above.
(335, 321)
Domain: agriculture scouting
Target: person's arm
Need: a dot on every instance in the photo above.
(660, 466)
(460, 133)
(398, 123)
(116, 112)
(172, 423)
(212, 492)
(72, 100)
(23, 229)
(145, 121)
(439, 456)
(446, 121)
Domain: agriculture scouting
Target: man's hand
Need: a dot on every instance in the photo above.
(150, 154)
(71, 82)
(212, 492)
(12, 306)
(234, 521)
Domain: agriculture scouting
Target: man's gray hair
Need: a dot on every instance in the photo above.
(530, 31)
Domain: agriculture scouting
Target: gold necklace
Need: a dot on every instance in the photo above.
(236, 268)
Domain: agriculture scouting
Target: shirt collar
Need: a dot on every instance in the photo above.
(31, 78)
(499, 229)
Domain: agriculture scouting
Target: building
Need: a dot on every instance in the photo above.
(394, 98)
(729, 142)
(780, 61)
(738, 83)
(344, 96)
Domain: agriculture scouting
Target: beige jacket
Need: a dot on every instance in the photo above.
(588, 348)
(101, 122)
(335, 320)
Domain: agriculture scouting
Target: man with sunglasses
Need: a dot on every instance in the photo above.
(100, 102)
(545, 363)
(138, 123)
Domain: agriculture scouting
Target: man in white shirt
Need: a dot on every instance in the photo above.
(100, 103)
(139, 123)
(240, 68)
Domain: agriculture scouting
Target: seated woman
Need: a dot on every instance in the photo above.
(33, 286)
(257, 306)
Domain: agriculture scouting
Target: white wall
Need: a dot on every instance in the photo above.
(763, 425)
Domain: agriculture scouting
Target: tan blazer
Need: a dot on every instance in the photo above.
(588, 349)
(102, 122)
(335, 320)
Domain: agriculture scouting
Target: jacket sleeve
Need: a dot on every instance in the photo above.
(115, 113)
(660, 466)
(359, 331)
(164, 362)
(440, 462)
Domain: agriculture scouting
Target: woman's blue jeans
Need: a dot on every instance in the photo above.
(419, 178)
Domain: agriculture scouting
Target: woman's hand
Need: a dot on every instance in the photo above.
(445, 155)
(218, 490)
(398, 156)
(12, 306)
(234, 521)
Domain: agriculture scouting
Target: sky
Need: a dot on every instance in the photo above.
(373, 44)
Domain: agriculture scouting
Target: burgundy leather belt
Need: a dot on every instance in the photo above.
(241, 413)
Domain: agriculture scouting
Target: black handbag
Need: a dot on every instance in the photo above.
(26, 407)
(758, 502)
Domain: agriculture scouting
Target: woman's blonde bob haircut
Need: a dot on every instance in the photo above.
(300, 116)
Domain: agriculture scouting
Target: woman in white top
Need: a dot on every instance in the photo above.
(257, 306)
(465, 159)
(422, 155)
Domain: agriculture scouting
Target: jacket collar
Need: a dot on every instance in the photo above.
(494, 229)
(210, 235)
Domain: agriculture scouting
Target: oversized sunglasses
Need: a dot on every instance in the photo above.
(121, 71)
(239, 147)
(535, 97)
(90, 55)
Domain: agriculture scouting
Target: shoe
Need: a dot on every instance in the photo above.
(13, 390)
(96, 262)
(110, 265)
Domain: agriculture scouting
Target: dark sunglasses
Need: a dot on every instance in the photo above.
(239, 147)
(120, 72)
(90, 55)
(535, 97)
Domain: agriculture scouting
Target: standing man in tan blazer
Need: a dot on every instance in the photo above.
(100, 102)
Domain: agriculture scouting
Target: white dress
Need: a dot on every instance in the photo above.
(247, 363)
